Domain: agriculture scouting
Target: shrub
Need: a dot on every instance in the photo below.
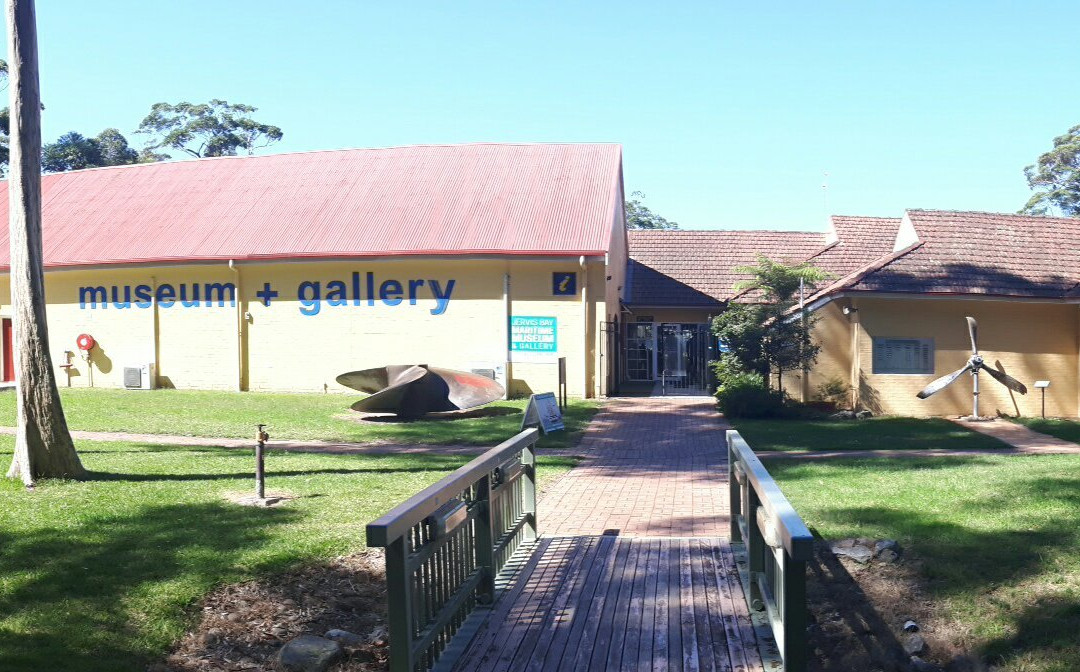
(834, 390)
(744, 395)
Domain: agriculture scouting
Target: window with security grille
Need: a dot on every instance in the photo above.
(903, 355)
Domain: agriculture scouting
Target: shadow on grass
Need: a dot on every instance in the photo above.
(1045, 631)
(117, 476)
(797, 470)
(484, 412)
(74, 593)
(964, 554)
(885, 433)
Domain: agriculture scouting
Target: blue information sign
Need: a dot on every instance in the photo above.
(533, 338)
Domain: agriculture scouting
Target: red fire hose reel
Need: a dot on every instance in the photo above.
(85, 342)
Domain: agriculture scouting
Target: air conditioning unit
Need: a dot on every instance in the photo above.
(140, 377)
(494, 370)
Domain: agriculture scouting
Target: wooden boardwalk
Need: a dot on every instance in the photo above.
(618, 603)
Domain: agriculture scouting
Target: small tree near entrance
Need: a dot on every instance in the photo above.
(768, 334)
(43, 446)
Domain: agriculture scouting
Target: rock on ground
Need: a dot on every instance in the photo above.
(308, 653)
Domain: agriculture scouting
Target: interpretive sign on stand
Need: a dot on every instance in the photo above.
(543, 412)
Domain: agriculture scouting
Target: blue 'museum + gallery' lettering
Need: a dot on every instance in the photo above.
(389, 292)
(144, 295)
(309, 293)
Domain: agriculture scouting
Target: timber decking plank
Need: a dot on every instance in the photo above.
(717, 627)
(740, 609)
(660, 609)
(701, 607)
(557, 617)
(674, 617)
(648, 609)
(732, 630)
(620, 615)
(691, 660)
(524, 630)
(628, 614)
(602, 640)
(564, 646)
(486, 649)
(594, 614)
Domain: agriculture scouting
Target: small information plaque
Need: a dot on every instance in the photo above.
(543, 412)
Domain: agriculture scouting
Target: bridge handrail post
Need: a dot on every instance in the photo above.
(778, 546)
(446, 545)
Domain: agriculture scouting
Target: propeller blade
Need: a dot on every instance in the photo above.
(973, 331)
(942, 382)
(1006, 380)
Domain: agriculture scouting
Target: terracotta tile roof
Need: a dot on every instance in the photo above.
(861, 241)
(697, 268)
(983, 253)
(542, 199)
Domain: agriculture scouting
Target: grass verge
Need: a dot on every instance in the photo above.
(998, 537)
(289, 416)
(102, 575)
(1068, 430)
(885, 433)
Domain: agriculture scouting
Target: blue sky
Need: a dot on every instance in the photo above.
(729, 114)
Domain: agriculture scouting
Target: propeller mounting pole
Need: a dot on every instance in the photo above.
(975, 393)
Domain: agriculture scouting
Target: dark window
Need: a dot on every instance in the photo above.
(903, 355)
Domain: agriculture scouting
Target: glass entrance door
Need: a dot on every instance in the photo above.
(684, 353)
(641, 352)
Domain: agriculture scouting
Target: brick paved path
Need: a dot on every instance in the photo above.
(653, 467)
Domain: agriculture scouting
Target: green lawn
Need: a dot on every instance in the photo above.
(1000, 538)
(102, 574)
(884, 433)
(1068, 430)
(289, 416)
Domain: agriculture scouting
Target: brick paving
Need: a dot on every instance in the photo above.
(653, 467)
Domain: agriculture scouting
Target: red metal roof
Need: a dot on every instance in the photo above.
(530, 199)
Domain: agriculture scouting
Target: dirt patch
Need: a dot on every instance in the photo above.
(858, 612)
(243, 626)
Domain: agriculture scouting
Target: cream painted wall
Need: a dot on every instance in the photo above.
(1032, 341)
(284, 349)
(832, 332)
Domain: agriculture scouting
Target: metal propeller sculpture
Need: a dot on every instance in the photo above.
(412, 391)
(974, 365)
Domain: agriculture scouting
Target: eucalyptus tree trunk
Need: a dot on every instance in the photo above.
(43, 446)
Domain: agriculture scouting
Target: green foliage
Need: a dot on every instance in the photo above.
(1056, 177)
(769, 335)
(217, 128)
(834, 390)
(778, 282)
(114, 148)
(640, 217)
(744, 395)
(72, 151)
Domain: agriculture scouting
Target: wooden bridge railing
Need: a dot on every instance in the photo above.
(446, 545)
(778, 546)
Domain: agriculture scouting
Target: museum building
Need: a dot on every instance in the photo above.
(281, 272)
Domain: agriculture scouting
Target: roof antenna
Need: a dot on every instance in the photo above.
(825, 194)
